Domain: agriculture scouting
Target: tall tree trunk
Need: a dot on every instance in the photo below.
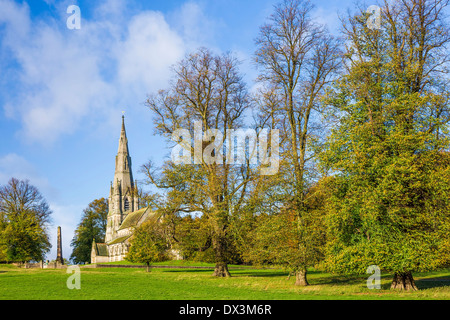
(148, 266)
(300, 278)
(221, 268)
(403, 281)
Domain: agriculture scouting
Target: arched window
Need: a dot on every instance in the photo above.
(126, 205)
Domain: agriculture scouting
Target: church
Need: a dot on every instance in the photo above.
(124, 213)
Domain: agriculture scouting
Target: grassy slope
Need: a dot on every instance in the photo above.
(190, 284)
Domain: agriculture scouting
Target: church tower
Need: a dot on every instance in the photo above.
(123, 196)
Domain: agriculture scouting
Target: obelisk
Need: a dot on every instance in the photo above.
(59, 257)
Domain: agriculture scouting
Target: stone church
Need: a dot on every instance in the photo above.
(124, 213)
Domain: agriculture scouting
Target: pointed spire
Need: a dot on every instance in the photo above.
(123, 177)
(123, 141)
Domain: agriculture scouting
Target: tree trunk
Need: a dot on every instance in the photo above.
(403, 281)
(221, 270)
(148, 266)
(300, 278)
(220, 250)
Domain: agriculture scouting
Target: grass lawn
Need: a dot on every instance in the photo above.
(194, 284)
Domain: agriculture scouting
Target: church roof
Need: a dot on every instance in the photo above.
(133, 218)
(101, 249)
(119, 240)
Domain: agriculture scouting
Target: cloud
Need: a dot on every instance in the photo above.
(150, 47)
(60, 77)
(14, 165)
(191, 22)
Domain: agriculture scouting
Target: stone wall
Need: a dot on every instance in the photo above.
(43, 265)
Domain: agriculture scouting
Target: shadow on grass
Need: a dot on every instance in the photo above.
(322, 278)
(259, 274)
(436, 282)
(189, 270)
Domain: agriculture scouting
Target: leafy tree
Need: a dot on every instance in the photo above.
(193, 238)
(297, 59)
(24, 219)
(389, 151)
(275, 239)
(209, 89)
(92, 227)
(149, 243)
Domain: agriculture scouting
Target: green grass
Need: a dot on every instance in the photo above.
(192, 284)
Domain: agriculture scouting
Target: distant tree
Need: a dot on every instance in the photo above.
(149, 243)
(24, 219)
(92, 227)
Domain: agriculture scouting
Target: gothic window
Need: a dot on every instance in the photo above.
(126, 205)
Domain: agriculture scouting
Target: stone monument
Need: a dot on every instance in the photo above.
(59, 257)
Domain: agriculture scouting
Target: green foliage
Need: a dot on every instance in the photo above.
(24, 217)
(389, 150)
(91, 227)
(194, 239)
(148, 244)
(284, 239)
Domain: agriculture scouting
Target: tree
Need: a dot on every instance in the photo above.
(275, 239)
(24, 219)
(92, 227)
(193, 238)
(298, 59)
(149, 243)
(389, 151)
(207, 94)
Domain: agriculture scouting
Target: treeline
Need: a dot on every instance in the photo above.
(363, 174)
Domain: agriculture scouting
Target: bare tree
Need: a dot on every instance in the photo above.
(206, 88)
(297, 59)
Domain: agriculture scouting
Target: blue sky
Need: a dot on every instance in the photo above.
(62, 92)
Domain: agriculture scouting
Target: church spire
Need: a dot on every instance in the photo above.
(123, 171)
(123, 141)
(123, 192)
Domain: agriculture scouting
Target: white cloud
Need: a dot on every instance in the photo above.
(192, 23)
(63, 76)
(14, 165)
(149, 49)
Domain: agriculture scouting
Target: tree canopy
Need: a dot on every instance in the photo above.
(24, 219)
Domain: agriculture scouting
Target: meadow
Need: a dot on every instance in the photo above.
(199, 284)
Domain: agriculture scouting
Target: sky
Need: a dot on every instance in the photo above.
(63, 91)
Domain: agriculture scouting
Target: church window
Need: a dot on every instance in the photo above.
(126, 204)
